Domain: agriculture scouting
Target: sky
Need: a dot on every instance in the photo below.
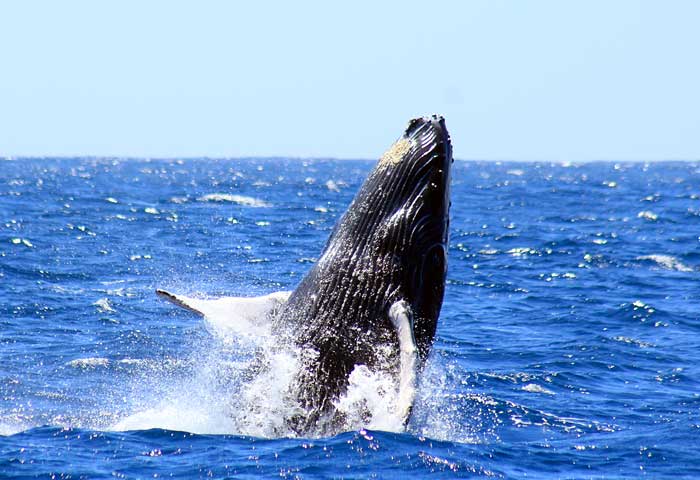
(515, 80)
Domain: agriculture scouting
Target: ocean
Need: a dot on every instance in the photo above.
(568, 345)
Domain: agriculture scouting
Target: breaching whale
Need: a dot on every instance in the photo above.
(374, 296)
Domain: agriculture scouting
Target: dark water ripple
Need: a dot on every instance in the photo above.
(568, 346)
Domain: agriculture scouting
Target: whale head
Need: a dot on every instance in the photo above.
(396, 229)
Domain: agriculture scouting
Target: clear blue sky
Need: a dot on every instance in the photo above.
(539, 80)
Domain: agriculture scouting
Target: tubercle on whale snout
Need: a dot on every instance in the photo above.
(434, 124)
(418, 121)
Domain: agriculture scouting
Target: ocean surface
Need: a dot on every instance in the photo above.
(568, 344)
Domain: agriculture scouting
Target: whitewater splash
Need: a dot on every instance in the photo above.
(232, 198)
(242, 384)
(667, 262)
(237, 378)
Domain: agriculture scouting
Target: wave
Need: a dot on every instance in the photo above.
(104, 306)
(89, 362)
(232, 198)
(667, 262)
(648, 215)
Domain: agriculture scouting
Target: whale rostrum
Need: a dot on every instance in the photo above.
(374, 296)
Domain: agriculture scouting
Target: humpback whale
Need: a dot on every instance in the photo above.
(374, 296)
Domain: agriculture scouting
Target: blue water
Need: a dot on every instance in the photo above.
(568, 345)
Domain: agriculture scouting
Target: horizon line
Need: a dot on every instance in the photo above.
(325, 158)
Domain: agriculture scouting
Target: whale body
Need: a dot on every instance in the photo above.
(374, 296)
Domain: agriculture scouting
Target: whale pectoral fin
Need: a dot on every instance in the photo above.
(180, 301)
(402, 318)
(253, 309)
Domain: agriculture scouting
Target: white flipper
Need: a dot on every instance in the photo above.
(231, 314)
(402, 319)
